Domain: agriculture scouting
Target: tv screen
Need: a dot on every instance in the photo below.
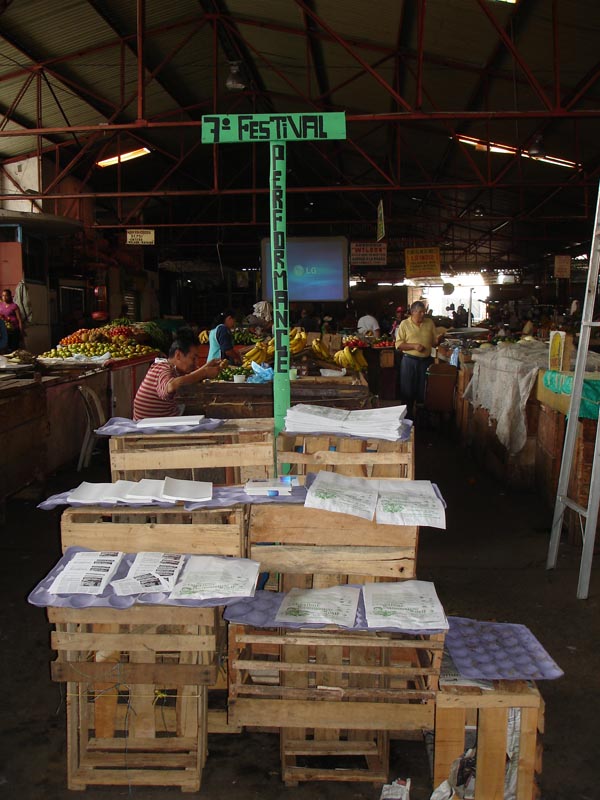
(317, 269)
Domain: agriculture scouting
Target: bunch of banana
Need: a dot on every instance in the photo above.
(350, 359)
(297, 340)
(320, 350)
(203, 337)
(258, 353)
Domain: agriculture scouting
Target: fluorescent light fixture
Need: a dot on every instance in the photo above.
(108, 162)
(507, 149)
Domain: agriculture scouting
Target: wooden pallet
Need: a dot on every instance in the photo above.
(136, 693)
(217, 531)
(310, 548)
(234, 453)
(487, 710)
(336, 695)
(364, 458)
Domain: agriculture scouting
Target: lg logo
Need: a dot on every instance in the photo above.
(300, 270)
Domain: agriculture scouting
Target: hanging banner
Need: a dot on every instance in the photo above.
(380, 222)
(276, 129)
(281, 322)
(273, 127)
(423, 262)
(562, 266)
(368, 253)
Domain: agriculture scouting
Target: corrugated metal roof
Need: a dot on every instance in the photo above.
(304, 55)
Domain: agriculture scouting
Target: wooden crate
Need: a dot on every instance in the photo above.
(218, 531)
(136, 693)
(365, 458)
(310, 548)
(487, 710)
(548, 457)
(234, 453)
(336, 695)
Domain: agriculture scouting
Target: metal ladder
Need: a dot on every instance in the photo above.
(563, 502)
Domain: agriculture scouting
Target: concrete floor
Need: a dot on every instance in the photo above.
(489, 564)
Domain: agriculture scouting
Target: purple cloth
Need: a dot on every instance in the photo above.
(121, 426)
(223, 497)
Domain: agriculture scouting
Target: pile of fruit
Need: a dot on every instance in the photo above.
(264, 351)
(353, 340)
(383, 341)
(350, 358)
(116, 349)
(227, 373)
(320, 350)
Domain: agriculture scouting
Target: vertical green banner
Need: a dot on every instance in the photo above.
(281, 321)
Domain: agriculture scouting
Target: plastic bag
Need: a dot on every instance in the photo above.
(262, 374)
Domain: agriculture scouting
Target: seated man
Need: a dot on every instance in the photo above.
(156, 394)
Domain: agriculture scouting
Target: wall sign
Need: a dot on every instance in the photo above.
(368, 253)
(140, 236)
(423, 262)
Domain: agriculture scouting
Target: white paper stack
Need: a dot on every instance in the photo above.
(409, 605)
(271, 487)
(392, 501)
(336, 605)
(148, 490)
(150, 572)
(189, 491)
(208, 577)
(377, 423)
(87, 572)
(169, 422)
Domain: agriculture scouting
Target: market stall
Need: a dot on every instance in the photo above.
(228, 400)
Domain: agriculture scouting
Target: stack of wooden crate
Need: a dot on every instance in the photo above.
(136, 693)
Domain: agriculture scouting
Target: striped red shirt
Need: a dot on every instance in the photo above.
(152, 398)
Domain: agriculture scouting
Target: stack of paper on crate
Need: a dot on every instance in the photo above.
(167, 422)
(271, 487)
(169, 490)
(377, 423)
(392, 501)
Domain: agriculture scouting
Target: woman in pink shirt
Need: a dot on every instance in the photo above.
(11, 315)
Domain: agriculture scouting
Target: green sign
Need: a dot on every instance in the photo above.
(281, 321)
(222, 129)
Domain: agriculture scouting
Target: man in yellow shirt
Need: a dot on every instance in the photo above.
(415, 338)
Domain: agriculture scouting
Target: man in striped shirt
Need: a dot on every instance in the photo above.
(156, 394)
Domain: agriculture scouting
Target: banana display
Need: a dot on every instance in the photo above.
(320, 350)
(265, 351)
(350, 358)
(203, 337)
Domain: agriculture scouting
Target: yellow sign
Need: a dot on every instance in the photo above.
(562, 266)
(140, 236)
(423, 262)
(380, 222)
(556, 350)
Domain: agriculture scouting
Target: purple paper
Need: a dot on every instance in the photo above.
(498, 651)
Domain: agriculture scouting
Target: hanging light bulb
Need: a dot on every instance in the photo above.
(537, 149)
(234, 81)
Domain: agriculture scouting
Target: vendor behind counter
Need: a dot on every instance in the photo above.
(156, 394)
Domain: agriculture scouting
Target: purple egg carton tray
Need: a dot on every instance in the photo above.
(498, 651)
